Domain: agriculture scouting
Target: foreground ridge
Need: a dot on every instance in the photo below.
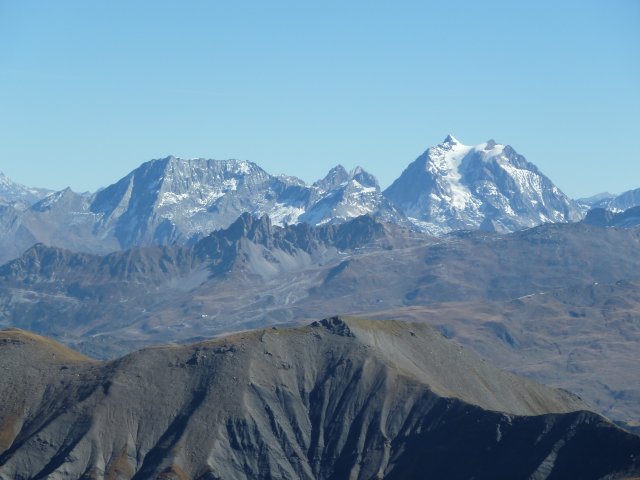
(340, 398)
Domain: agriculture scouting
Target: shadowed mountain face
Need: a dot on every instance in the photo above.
(601, 217)
(342, 398)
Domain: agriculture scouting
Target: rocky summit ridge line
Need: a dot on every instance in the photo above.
(450, 187)
(340, 398)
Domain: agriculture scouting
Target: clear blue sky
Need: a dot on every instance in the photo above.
(90, 89)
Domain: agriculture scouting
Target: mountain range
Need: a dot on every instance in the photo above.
(616, 203)
(450, 187)
(172, 200)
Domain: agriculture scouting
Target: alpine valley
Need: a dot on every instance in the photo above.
(206, 319)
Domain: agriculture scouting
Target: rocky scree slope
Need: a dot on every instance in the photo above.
(341, 398)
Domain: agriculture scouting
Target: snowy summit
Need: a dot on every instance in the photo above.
(488, 186)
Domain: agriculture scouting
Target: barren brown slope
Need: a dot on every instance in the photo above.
(27, 361)
(341, 398)
(585, 339)
(46, 349)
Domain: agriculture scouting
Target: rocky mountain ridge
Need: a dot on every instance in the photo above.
(340, 398)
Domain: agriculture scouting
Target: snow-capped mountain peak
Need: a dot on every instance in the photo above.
(450, 139)
(456, 186)
(337, 176)
(19, 196)
(343, 194)
(172, 199)
(364, 178)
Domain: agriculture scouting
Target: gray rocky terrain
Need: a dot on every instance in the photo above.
(341, 398)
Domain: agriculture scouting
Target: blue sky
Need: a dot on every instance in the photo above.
(91, 89)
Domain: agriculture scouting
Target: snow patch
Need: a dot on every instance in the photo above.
(170, 198)
(445, 161)
(281, 214)
(230, 184)
(526, 180)
(243, 167)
